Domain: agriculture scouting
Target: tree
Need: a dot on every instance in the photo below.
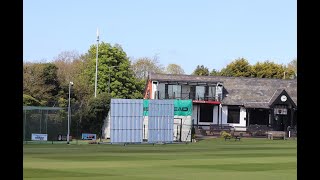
(71, 67)
(40, 81)
(30, 101)
(142, 66)
(270, 69)
(214, 73)
(95, 113)
(201, 71)
(113, 63)
(65, 62)
(238, 68)
(292, 66)
(174, 69)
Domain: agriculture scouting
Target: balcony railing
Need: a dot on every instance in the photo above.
(192, 96)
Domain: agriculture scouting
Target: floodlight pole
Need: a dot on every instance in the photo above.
(96, 79)
(68, 134)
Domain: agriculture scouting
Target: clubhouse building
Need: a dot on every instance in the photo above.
(235, 101)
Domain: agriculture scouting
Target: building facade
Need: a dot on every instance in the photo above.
(235, 101)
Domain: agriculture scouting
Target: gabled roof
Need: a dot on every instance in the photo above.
(277, 95)
(247, 91)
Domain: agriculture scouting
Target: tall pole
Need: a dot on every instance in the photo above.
(95, 85)
(68, 134)
(109, 81)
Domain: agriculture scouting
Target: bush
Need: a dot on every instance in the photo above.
(224, 134)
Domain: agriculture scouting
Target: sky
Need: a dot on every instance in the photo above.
(212, 33)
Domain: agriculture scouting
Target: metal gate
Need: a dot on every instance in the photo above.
(160, 121)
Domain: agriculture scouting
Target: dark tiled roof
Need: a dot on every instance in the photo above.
(256, 105)
(275, 95)
(183, 78)
(251, 92)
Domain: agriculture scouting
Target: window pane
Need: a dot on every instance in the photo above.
(161, 89)
(212, 91)
(200, 90)
(174, 90)
(233, 114)
(206, 113)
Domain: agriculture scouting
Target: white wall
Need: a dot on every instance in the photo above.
(154, 89)
(243, 114)
(224, 114)
(215, 114)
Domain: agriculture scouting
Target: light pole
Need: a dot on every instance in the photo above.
(70, 84)
(96, 79)
(109, 78)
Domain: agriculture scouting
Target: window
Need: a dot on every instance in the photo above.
(174, 91)
(200, 90)
(233, 114)
(161, 89)
(206, 113)
(212, 92)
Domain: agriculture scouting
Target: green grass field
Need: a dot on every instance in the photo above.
(215, 159)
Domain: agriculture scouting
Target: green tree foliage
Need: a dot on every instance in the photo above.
(201, 71)
(214, 73)
(41, 82)
(142, 66)
(30, 101)
(292, 66)
(65, 62)
(267, 69)
(174, 69)
(71, 67)
(238, 68)
(270, 69)
(95, 113)
(114, 63)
